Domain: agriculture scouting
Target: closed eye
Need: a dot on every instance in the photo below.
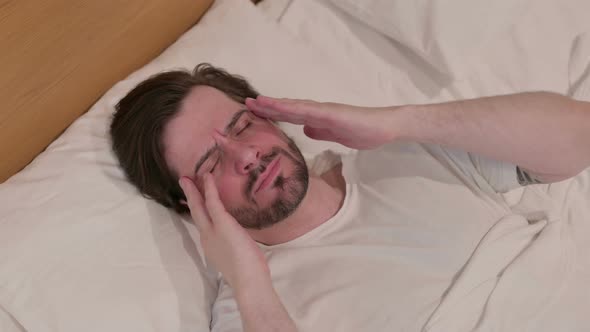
(244, 128)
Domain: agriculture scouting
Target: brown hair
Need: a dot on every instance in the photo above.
(139, 120)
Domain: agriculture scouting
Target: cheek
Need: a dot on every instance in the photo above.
(229, 191)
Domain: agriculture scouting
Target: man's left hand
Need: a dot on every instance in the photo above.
(356, 127)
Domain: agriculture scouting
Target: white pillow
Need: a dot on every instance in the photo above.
(81, 250)
(444, 33)
(348, 41)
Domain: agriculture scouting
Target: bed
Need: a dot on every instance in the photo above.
(81, 250)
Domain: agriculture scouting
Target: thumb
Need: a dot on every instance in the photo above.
(195, 202)
(188, 188)
(212, 201)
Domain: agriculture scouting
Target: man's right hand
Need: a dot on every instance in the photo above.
(231, 251)
(226, 244)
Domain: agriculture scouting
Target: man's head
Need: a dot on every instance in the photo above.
(186, 124)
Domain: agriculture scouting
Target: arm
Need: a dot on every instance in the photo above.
(545, 133)
(262, 310)
(231, 250)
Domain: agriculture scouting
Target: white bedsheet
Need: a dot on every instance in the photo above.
(531, 271)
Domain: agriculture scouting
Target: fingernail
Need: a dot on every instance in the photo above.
(249, 99)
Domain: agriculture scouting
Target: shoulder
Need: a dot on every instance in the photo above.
(334, 177)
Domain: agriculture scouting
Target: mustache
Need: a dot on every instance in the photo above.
(255, 174)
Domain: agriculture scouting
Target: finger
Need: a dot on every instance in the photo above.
(195, 203)
(269, 112)
(212, 201)
(290, 110)
(253, 106)
(283, 106)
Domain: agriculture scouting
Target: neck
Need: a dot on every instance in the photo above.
(320, 203)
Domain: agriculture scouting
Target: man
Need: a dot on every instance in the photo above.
(400, 211)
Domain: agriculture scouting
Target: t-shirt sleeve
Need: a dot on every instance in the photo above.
(501, 176)
(488, 174)
(579, 68)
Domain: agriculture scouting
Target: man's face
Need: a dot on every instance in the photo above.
(260, 173)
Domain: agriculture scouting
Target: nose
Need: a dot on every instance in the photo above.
(244, 157)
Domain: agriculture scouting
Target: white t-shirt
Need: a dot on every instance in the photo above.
(411, 218)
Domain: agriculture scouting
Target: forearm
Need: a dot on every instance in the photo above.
(262, 310)
(545, 133)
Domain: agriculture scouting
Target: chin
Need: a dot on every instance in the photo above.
(290, 194)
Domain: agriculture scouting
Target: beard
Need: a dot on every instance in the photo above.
(291, 189)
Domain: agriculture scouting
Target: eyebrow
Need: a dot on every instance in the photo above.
(231, 124)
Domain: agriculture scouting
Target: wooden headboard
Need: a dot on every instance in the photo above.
(59, 56)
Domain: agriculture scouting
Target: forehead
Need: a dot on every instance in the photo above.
(189, 134)
(205, 102)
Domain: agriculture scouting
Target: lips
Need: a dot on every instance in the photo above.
(265, 178)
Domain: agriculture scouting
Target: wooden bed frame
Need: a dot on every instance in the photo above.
(59, 56)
